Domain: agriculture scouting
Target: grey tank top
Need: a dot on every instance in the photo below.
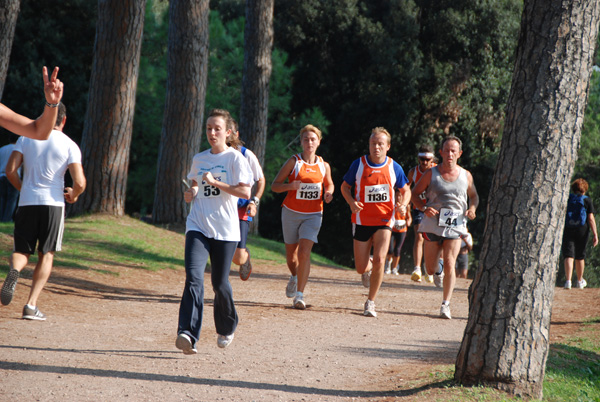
(451, 199)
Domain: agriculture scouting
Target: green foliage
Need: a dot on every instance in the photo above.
(52, 35)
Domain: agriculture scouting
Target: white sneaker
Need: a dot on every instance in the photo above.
(299, 303)
(370, 309)
(445, 311)
(387, 271)
(395, 271)
(224, 340)
(438, 280)
(428, 278)
(568, 285)
(366, 279)
(184, 343)
(290, 289)
(581, 284)
(416, 274)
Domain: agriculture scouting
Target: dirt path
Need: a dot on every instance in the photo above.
(111, 338)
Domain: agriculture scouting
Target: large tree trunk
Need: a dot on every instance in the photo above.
(9, 11)
(111, 104)
(506, 338)
(182, 129)
(254, 112)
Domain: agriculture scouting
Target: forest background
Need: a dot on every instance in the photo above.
(422, 69)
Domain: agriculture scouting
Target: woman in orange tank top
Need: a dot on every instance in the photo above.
(308, 184)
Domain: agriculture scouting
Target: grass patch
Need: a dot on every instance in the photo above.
(104, 243)
(573, 368)
(572, 374)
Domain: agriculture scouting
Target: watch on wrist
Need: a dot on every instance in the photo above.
(255, 200)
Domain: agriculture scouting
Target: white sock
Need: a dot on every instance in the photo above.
(445, 302)
(30, 306)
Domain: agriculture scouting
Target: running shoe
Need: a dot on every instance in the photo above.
(33, 314)
(366, 279)
(387, 271)
(581, 284)
(370, 309)
(438, 279)
(395, 271)
(299, 303)
(445, 311)
(224, 340)
(568, 285)
(428, 278)
(8, 288)
(246, 269)
(416, 275)
(290, 289)
(184, 343)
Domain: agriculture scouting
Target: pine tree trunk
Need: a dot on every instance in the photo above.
(258, 44)
(182, 129)
(506, 338)
(108, 122)
(9, 11)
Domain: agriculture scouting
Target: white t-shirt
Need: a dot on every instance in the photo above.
(44, 166)
(257, 171)
(214, 212)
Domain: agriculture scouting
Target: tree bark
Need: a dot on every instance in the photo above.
(9, 11)
(108, 123)
(183, 120)
(506, 341)
(254, 111)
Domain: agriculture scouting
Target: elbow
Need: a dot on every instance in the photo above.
(246, 192)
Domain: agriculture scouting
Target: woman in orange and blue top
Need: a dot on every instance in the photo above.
(308, 184)
(374, 177)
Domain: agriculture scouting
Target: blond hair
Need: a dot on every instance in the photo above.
(381, 130)
(310, 127)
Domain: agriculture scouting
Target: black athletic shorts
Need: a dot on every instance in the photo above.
(38, 224)
(364, 233)
(574, 242)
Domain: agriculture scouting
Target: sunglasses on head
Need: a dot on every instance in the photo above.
(424, 159)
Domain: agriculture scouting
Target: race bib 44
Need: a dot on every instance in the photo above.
(451, 218)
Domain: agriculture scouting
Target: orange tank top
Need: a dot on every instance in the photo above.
(308, 199)
(374, 187)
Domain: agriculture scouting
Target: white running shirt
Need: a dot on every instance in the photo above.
(214, 212)
(44, 166)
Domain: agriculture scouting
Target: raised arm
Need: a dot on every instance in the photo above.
(40, 128)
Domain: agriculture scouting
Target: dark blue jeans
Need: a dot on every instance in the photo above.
(8, 200)
(198, 248)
